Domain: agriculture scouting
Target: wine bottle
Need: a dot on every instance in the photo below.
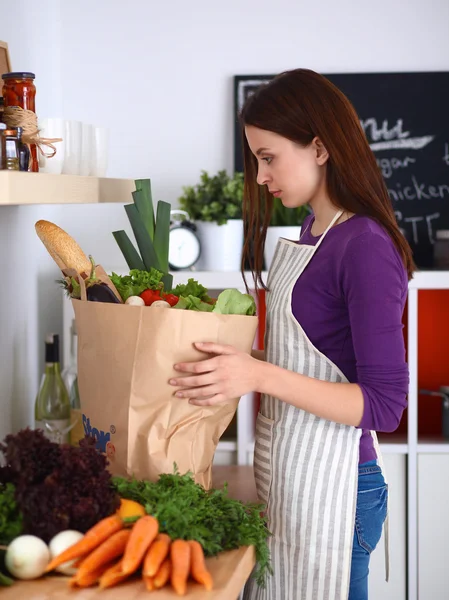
(70, 377)
(52, 407)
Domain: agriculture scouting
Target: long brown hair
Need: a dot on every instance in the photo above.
(301, 105)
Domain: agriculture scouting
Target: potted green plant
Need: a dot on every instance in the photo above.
(215, 205)
(284, 223)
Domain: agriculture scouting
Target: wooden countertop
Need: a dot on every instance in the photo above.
(240, 479)
(230, 570)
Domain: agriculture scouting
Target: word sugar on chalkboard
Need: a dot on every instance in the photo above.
(405, 117)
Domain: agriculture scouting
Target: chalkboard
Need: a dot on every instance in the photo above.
(405, 117)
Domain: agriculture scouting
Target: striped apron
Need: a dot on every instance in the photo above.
(305, 467)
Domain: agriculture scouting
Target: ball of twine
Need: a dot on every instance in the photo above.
(16, 116)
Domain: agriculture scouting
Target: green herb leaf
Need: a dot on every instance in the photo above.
(10, 517)
(162, 234)
(152, 236)
(187, 511)
(167, 280)
(144, 203)
(143, 238)
(130, 254)
(5, 580)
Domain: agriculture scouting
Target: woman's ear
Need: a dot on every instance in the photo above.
(322, 155)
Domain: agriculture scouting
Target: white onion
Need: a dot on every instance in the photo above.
(59, 544)
(27, 557)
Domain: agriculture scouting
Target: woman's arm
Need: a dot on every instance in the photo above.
(339, 402)
(374, 285)
(232, 374)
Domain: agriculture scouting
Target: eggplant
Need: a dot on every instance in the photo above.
(100, 292)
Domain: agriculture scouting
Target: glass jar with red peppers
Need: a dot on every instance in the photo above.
(19, 90)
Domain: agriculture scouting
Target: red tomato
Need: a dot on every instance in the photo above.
(171, 299)
(150, 296)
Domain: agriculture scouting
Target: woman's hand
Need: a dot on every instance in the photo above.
(229, 374)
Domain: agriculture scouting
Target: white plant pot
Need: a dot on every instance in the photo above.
(289, 232)
(221, 245)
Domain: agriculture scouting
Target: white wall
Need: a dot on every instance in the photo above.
(159, 75)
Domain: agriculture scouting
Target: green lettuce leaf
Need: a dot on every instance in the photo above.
(136, 282)
(233, 302)
(191, 288)
(193, 303)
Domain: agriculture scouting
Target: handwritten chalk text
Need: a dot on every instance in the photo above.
(419, 191)
(389, 165)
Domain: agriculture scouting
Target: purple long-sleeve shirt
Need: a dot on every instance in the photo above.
(349, 301)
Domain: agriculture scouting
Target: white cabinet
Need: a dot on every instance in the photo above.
(396, 587)
(433, 526)
(424, 490)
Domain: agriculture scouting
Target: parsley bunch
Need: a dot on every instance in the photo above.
(185, 510)
(10, 516)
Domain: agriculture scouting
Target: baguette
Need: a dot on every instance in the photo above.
(62, 248)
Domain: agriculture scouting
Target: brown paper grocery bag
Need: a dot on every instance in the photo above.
(125, 360)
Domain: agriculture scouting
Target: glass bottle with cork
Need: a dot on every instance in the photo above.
(19, 91)
(52, 406)
(70, 377)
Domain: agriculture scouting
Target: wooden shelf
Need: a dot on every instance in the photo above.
(18, 188)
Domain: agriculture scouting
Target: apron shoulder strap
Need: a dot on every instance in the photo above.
(331, 224)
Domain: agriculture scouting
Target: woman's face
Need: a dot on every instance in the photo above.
(291, 172)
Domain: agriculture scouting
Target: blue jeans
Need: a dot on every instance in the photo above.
(370, 515)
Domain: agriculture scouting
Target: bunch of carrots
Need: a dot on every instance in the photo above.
(112, 551)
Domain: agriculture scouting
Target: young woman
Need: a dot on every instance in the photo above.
(333, 371)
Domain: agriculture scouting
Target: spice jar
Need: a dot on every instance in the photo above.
(24, 151)
(19, 90)
(441, 249)
(11, 149)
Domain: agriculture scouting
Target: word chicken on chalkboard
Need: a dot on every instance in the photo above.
(405, 118)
